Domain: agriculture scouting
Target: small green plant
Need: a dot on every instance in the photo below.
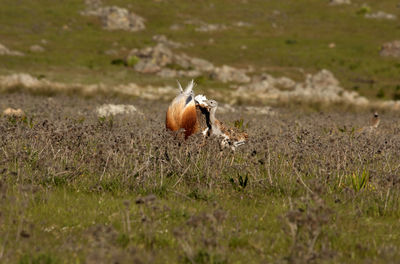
(132, 61)
(239, 123)
(364, 10)
(106, 121)
(290, 42)
(241, 182)
(118, 62)
(28, 120)
(359, 181)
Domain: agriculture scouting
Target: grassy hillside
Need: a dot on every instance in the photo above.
(309, 186)
(285, 38)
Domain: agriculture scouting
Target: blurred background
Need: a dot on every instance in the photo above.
(306, 50)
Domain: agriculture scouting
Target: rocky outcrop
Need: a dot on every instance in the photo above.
(340, 2)
(320, 87)
(117, 18)
(381, 15)
(93, 4)
(162, 61)
(229, 74)
(34, 85)
(5, 51)
(36, 48)
(253, 110)
(13, 112)
(112, 110)
(204, 27)
(391, 49)
(167, 42)
(151, 59)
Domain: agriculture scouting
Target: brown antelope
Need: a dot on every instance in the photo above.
(181, 113)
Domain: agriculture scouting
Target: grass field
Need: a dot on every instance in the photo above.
(76, 188)
(285, 38)
(312, 184)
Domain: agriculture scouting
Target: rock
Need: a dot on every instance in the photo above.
(14, 112)
(111, 52)
(117, 18)
(20, 79)
(322, 78)
(168, 73)
(381, 15)
(162, 61)
(112, 109)
(319, 87)
(340, 2)
(147, 66)
(391, 49)
(204, 27)
(5, 51)
(156, 59)
(190, 73)
(200, 64)
(390, 104)
(152, 59)
(36, 48)
(164, 40)
(32, 84)
(93, 4)
(171, 73)
(175, 27)
(265, 81)
(229, 74)
(265, 110)
(242, 24)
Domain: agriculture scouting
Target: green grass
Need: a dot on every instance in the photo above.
(303, 30)
(305, 188)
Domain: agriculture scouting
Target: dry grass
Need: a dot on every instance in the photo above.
(306, 187)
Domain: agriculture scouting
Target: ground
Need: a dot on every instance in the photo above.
(307, 186)
(313, 184)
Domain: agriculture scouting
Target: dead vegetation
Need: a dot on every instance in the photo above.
(307, 187)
